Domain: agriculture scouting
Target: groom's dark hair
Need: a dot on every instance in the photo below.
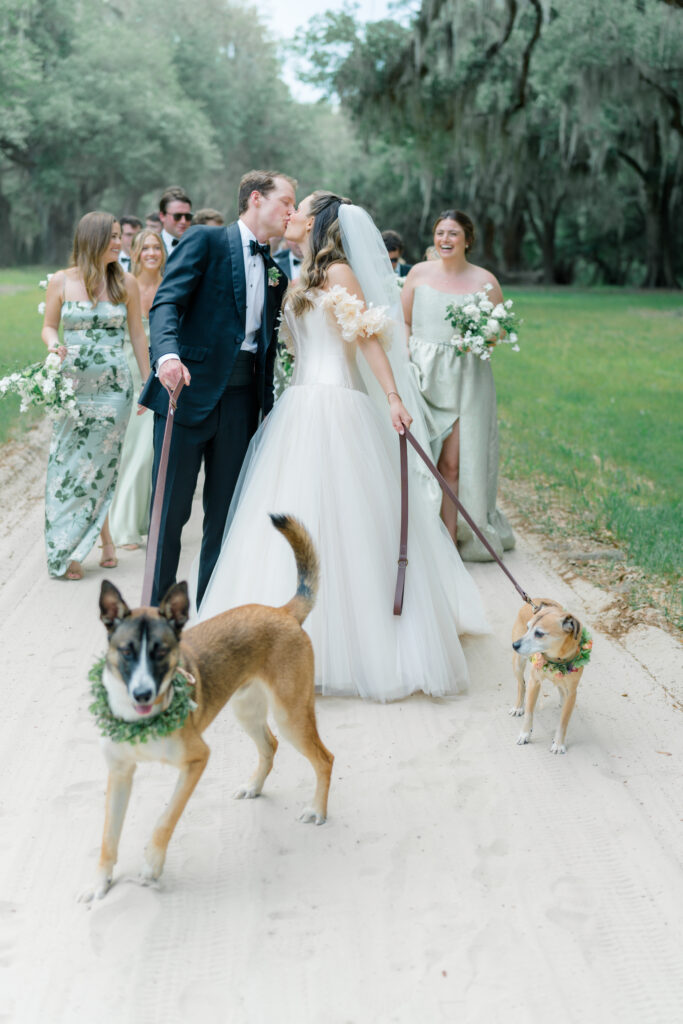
(259, 181)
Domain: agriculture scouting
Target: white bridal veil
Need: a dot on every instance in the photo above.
(369, 260)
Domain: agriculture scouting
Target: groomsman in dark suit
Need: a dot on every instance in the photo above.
(289, 258)
(213, 323)
(394, 246)
(175, 214)
(129, 229)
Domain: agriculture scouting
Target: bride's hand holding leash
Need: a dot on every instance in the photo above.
(400, 417)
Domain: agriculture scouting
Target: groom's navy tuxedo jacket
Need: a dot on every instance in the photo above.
(199, 313)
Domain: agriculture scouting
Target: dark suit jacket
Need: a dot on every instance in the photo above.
(404, 269)
(199, 313)
(283, 258)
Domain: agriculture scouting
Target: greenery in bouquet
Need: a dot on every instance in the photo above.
(480, 324)
(43, 384)
(283, 370)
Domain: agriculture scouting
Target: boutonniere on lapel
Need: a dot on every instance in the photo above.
(274, 276)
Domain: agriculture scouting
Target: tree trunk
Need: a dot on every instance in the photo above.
(660, 271)
(8, 256)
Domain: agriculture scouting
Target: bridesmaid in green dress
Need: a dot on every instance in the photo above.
(129, 512)
(458, 391)
(93, 299)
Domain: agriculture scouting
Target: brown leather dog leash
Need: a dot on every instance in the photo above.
(403, 545)
(155, 521)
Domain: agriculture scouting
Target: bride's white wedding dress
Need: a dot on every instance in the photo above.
(328, 456)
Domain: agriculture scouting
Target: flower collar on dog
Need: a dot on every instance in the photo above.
(120, 731)
(579, 660)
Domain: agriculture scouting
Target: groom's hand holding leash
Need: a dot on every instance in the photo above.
(170, 372)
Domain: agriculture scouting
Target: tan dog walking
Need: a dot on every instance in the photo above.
(557, 646)
(256, 655)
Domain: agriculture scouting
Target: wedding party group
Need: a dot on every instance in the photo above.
(207, 303)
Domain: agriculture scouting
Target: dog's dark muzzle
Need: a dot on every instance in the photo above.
(516, 644)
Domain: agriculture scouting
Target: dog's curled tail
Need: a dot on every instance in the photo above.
(306, 565)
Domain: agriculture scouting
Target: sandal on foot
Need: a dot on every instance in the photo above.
(130, 547)
(108, 561)
(74, 572)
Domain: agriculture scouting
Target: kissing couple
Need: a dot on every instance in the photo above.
(327, 452)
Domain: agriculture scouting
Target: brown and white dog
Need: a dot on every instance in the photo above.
(258, 656)
(546, 637)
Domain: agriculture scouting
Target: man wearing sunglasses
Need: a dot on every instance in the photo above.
(175, 211)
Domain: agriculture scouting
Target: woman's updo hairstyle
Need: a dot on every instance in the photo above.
(325, 249)
(463, 220)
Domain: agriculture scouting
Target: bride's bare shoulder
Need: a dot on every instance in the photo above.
(340, 275)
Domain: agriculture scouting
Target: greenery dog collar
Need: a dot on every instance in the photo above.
(580, 660)
(120, 731)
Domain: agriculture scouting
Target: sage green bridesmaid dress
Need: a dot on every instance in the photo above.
(129, 512)
(460, 389)
(84, 453)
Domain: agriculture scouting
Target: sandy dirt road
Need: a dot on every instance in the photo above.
(460, 878)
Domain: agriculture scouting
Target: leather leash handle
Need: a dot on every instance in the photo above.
(155, 521)
(403, 544)
(463, 511)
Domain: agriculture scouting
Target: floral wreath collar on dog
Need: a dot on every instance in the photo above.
(120, 731)
(580, 660)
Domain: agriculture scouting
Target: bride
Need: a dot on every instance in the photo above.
(327, 454)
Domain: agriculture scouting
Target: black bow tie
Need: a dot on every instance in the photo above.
(258, 250)
(174, 242)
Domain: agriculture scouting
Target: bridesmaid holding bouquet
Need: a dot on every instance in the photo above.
(458, 390)
(93, 299)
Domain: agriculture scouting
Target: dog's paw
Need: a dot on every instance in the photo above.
(153, 866)
(516, 712)
(96, 892)
(148, 877)
(311, 817)
(247, 792)
(558, 748)
(523, 738)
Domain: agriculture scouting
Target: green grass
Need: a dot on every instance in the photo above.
(20, 342)
(591, 415)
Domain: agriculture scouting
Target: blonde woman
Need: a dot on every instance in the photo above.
(328, 455)
(129, 513)
(93, 299)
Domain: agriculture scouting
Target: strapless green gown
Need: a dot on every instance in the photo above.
(460, 388)
(84, 454)
(129, 512)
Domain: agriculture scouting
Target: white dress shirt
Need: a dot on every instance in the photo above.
(124, 260)
(168, 241)
(255, 275)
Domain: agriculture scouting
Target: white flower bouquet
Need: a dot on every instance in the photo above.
(43, 384)
(480, 325)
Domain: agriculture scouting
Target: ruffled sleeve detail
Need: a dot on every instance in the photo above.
(355, 323)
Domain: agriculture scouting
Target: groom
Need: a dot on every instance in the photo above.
(213, 323)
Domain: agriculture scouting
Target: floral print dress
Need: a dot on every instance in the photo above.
(85, 450)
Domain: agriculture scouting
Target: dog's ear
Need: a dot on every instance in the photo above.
(175, 606)
(112, 606)
(571, 625)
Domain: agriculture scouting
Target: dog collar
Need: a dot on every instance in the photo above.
(580, 659)
(163, 724)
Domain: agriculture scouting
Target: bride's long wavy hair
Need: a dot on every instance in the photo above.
(325, 249)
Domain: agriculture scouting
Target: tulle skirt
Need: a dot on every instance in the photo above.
(328, 457)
